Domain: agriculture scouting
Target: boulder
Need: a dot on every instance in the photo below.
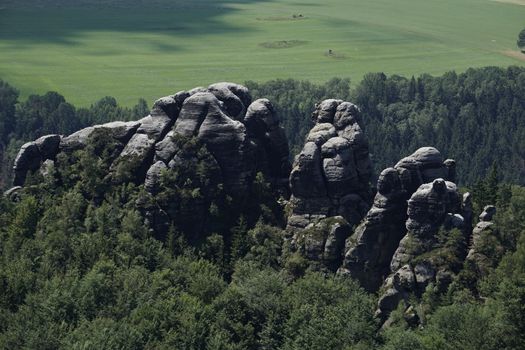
(262, 125)
(325, 111)
(155, 127)
(236, 98)
(346, 114)
(151, 182)
(428, 206)
(306, 178)
(243, 137)
(166, 149)
(134, 160)
(227, 140)
(338, 167)
(194, 110)
(121, 131)
(180, 97)
(321, 133)
(76, 140)
(48, 146)
(488, 213)
(27, 159)
(167, 106)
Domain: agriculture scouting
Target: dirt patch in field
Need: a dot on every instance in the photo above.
(335, 55)
(298, 17)
(514, 54)
(514, 2)
(282, 44)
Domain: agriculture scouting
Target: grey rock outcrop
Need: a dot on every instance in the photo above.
(431, 252)
(28, 159)
(488, 213)
(322, 242)
(48, 146)
(485, 249)
(13, 193)
(32, 154)
(263, 128)
(242, 136)
(370, 249)
(331, 175)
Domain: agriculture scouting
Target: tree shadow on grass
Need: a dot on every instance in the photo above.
(29, 22)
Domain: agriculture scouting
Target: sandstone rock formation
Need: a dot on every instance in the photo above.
(370, 249)
(433, 249)
(242, 136)
(32, 154)
(322, 242)
(485, 248)
(330, 177)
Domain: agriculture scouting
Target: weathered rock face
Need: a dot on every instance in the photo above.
(323, 241)
(330, 177)
(242, 136)
(370, 249)
(32, 154)
(433, 249)
(485, 248)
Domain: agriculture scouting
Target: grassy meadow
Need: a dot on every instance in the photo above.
(88, 51)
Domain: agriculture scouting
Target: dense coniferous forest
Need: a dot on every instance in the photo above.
(79, 269)
(476, 117)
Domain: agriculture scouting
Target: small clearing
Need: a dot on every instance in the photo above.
(514, 54)
(282, 44)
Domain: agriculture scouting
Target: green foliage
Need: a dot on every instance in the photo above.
(521, 40)
(446, 252)
(473, 117)
(320, 310)
(296, 265)
(486, 191)
(8, 98)
(265, 245)
(38, 115)
(80, 269)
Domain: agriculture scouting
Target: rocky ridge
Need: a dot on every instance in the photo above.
(242, 136)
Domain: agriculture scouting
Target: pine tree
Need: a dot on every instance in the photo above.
(492, 185)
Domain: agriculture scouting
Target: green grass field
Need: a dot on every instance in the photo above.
(149, 51)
